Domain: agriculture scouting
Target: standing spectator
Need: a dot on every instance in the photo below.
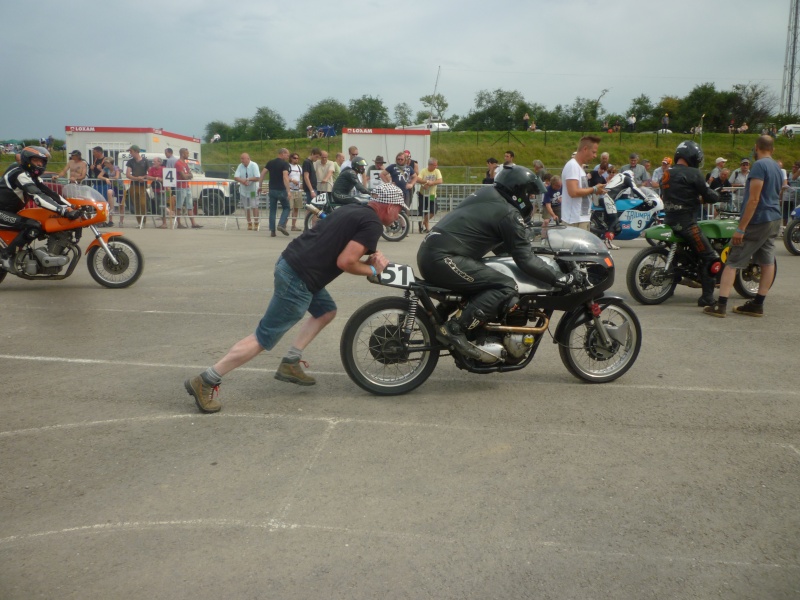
(551, 202)
(786, 207)
(155, 175)
(402, 176)
(170, 164)
(722, 186)
(794, 176)
(491, 167)
(576, 201)
(76, 166)
(307, 265)
(136, 173)
(658, 174)
(337, 165)
(295, 188)
(603, 165)
(278, 170)
(429, 178)
(526, 122)
(538, 168)
(247, 176)
(183, 201)
(665, 123)
(310, 175)
(647, 177)
(352, 151)
(639, 172)
(325, 170)
(739, 176)
(755, 237)
(50, 143)
(632, 123)
(508, 158)
(719, 164)
(377, 167)
(97, 163)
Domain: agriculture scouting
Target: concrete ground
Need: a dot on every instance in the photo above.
(679, 480)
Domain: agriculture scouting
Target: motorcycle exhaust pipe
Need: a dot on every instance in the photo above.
(522, 330)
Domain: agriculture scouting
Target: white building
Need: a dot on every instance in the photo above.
(114, 140)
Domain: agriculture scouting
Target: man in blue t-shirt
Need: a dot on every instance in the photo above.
(759, 224)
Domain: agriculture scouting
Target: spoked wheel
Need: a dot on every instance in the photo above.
(397, 230)
(748, 279)
(647, 278)
(311, 220)
(125, 273)
(791, 237)
(374, 354)
(583, 352)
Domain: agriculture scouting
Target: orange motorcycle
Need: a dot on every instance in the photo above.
(113, 261)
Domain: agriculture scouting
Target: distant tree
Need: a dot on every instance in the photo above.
(435, 107)
(325, 112)
(494, 110)
(752, 103)
(267, 124)
(368, 111)
(644, 111)
(670, 105)
(704, 99)
(219, 127)
(402, 114)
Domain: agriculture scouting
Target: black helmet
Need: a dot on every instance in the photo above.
(29, 152)
(689, 151)
(516, 184)
(359, 164)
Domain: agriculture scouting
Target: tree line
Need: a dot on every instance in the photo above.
(500, 110)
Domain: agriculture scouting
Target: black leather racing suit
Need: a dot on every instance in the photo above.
(682, 188)
(17, 186)
(344, 184)
(450, 254)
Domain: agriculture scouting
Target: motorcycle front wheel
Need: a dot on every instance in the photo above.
(125, 273)
(584, 354)
(647, 278)
(791, 237)
(748, 279)
(374, 354)
(397, 230)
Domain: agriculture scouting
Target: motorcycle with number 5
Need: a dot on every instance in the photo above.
(389, 345)
(113, 261)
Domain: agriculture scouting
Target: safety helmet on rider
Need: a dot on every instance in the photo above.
(359, 164)
(691, 152)
(30, 152)
(516, 184)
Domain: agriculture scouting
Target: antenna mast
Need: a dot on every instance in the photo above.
(436, 87)
(790, 94)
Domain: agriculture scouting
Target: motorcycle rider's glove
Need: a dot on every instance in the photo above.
(72, 214)
(572, 280)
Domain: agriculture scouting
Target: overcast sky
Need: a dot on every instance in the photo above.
(179, 65)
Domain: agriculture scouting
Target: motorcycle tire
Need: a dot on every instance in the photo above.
(584, 355)
(647, 281)
(397, 230)
(791, 237)
(748, 279)
(311, 220)
(373, 354)
(122, 275)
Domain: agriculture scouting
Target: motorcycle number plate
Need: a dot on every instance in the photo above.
(395, 275)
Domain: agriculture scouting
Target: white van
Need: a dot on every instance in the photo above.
(432, 126)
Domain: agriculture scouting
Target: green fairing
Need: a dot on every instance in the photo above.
(714, 229)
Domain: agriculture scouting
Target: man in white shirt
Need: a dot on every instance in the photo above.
(576, 195)
(247, 176)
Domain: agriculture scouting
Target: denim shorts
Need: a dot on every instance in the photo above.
(184, 198)
(290, 301)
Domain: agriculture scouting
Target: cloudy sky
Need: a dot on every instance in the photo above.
(179, 65)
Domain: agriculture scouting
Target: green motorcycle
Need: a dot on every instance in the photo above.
(655, 272)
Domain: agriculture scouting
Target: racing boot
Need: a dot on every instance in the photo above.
(452, 334)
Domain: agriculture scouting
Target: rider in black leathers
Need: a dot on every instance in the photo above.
(349, 179)
(490, 219)
(17, 186)
(684, 189)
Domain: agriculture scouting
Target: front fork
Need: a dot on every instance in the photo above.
(104, 245)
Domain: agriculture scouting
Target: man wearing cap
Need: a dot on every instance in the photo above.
(639, 172)
(720, 164)
(309, 263)
(373, 172)
(76, 166)
(658, 174)
(136, 173)
(740, 175)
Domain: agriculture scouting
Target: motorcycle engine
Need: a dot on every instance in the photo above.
(508, 348)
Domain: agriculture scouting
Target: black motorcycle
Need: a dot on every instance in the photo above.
(389, 345)
(324, 204)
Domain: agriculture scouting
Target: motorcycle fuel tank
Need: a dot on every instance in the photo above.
(525, 283)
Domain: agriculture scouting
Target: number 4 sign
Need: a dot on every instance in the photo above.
(170, 175)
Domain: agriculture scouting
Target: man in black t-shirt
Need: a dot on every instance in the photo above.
(278, 169)
(308, 264)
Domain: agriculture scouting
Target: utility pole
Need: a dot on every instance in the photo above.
(790, 93)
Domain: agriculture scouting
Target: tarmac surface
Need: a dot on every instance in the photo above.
(679, 480)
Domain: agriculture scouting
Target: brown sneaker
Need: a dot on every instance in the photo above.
(249, 227)
(292, 372)
(203, 394)
(716, 310)
(283, 230)
(750, 308)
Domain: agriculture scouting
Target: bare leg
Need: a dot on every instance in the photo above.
(255, 218)
(240, 353)
(310, 328)
(767, 275)
(726, 281)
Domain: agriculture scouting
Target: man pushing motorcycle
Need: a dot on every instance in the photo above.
(684, 189)
(19, 185)
(491, 219)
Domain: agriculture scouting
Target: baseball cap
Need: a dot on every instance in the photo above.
(389, 194)
(720, 159)
(407, 152)
(135, 147)
(379, 159)
(75, 153)
(745, 160)
(666, 160)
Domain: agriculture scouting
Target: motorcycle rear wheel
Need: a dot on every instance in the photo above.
(373, 354)
(397, 230)
(748, 279)
(791, 237)
(122, 275)
(648, 282)
(586, 358)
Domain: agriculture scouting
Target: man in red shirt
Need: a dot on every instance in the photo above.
(184, 194)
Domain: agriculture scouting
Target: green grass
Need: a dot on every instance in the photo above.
(462, 155)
